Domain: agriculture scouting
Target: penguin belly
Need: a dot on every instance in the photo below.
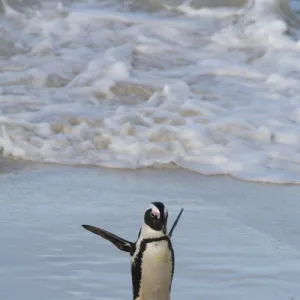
(157, 271)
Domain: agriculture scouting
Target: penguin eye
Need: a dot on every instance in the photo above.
(154, 215)
(154, 212)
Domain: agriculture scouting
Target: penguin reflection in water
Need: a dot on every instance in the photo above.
(152, 255)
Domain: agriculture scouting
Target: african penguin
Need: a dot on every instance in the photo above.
(152, 255)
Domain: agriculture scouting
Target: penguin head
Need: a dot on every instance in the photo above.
(156, 217)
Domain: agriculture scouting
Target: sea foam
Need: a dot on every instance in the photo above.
(213, 90)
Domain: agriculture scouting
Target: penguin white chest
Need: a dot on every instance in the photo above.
(157, 267)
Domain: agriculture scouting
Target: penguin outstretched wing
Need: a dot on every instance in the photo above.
(120, 243)
(175, 223)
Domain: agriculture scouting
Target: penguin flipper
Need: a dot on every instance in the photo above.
(175, 223)
(120, 243)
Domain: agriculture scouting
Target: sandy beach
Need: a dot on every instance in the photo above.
(236, 240)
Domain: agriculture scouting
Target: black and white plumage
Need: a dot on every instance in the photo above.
(152, 255)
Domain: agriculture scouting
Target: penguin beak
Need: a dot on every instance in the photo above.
(159, 223)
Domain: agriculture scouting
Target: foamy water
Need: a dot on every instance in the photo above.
(134, 84)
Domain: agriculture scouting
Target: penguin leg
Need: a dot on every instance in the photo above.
(175, 223)
(120, 243)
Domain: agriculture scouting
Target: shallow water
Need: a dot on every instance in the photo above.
(129, 84)
(234, 241)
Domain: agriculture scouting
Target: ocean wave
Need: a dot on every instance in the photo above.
(214, 90)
